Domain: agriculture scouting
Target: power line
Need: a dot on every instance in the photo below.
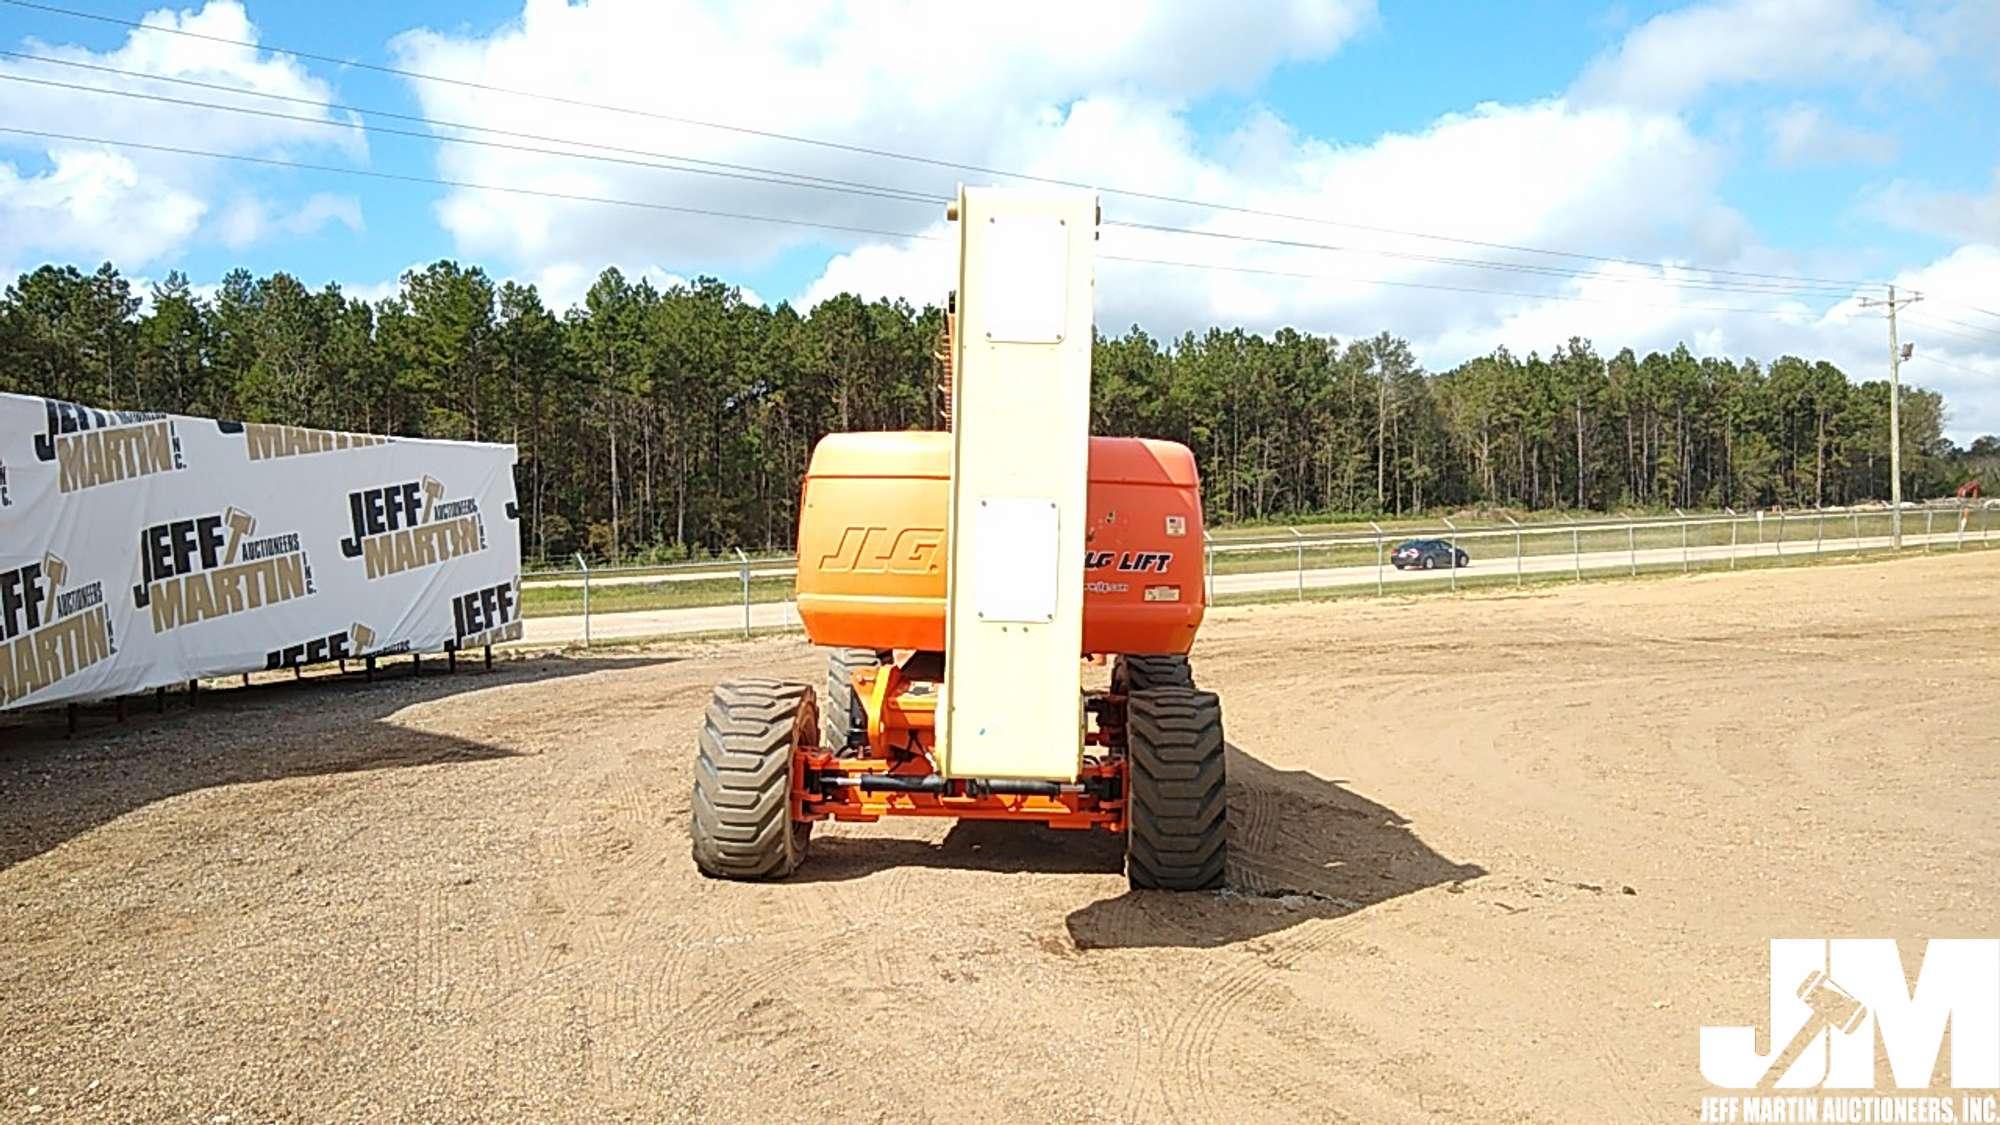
(1952, 333)
(912, 235)
(754, 174)
(1781, 313)
(890, 154)
(1994, 332)
(1476, 263)
(1963, 305)
(1960, 366)
(748, 173)
(466, 184)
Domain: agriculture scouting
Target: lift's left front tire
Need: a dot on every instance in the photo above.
(741, 820)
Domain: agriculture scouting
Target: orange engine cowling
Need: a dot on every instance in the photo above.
(872, 544)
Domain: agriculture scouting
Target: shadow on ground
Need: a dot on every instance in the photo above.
(54, 787)
(971, 845)
(1301, 847)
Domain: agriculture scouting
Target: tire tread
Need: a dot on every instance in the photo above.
(741, 826)
(1178, 802)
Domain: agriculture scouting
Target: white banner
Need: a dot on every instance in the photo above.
(139, 550)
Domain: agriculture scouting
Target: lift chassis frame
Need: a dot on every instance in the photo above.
(891, 772)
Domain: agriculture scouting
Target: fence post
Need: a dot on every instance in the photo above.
(1208, 566)
(1929, 515)
(1378, 556)
(1857, 531)
(585, 567)
(1576, 551)
(1517, 549)
(1963, 514)
(743, 561)
(1632, 545)
(1781, 534)
(1684, 539)
(1732, 544)
(1453, 563)
(1300, 543)
(1819, 533)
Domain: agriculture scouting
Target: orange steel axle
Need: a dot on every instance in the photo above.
(902, 722)
(815, 795)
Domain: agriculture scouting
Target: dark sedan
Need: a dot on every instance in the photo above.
(1428, 554)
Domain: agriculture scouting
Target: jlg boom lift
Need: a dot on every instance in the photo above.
(961, 578)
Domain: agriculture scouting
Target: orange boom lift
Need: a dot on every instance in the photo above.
(959, 578)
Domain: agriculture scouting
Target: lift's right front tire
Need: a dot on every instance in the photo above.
(741, 822)
(843, 720)
(1177, 801)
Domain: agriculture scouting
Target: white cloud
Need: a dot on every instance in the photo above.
(1676, 57)
(1804, 135)
(917, 271)
(956, 81)
(1956, 323)
(1545, 174)
(1961, 215)
(1616, 181)
(248, 220)
(96, 204)
(160, 198)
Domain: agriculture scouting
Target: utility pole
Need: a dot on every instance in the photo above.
(1895, 414)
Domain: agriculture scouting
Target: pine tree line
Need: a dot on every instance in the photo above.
(654, 423)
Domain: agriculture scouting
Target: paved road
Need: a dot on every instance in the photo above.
(718, 619)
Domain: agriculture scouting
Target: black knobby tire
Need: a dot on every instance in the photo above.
(1144, 673)
(1177, 804)
(742, 812)
(843, 721)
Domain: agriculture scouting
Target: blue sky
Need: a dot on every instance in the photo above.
(1836, 139)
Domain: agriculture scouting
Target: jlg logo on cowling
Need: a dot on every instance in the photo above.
(1131, 562)
(874, 550)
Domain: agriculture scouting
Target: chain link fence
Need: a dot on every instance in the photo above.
(588, 603)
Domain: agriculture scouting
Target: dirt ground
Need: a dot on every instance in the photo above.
(1497, 858)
